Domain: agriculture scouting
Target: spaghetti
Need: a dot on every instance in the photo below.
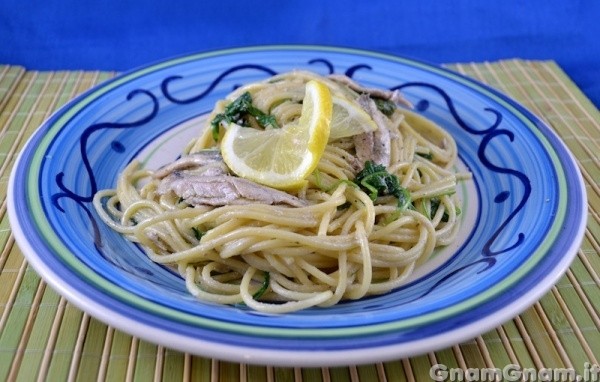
(376, 207)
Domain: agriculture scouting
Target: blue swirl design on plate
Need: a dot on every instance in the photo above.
(488, 134)
(167, 81)
(117, 146)
(83, 200)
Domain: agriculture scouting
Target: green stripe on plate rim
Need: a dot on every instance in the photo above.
(55, 243)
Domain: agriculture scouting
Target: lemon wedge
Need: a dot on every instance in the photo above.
(349, 119)
(282, 157)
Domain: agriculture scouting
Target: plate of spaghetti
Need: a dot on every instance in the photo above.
(297, 205)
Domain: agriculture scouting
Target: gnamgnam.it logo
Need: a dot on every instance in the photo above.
(512, 372)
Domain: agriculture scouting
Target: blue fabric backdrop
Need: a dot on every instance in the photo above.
(122, 35)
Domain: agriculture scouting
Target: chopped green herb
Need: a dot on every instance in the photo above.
(263, 288)
(435, 205)
(322, 187)
(377, 181)
(385, 106)
(237, 110)
(426, 155)
(404, 199)
(263, 119)
(197, 233)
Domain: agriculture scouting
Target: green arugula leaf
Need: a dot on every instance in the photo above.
(197, 233)
(428, 156)
(435, 205)
(237, 110)
(385, 106)
(375, 180)
(263, 288)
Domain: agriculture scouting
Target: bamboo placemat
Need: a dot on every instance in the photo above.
(43, 337)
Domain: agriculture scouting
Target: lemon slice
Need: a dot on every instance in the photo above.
(282, 158)
(349, 119)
